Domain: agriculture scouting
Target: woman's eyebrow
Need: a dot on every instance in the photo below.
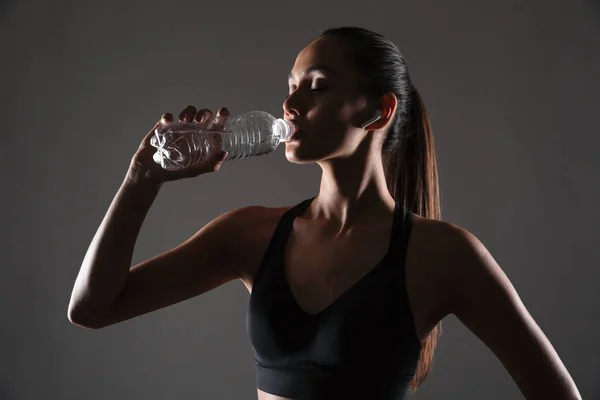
(319, 68)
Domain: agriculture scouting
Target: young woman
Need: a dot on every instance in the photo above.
(348, 288)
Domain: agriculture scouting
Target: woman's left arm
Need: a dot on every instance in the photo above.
(485, 301)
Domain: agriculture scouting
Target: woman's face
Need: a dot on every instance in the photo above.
(324, 102)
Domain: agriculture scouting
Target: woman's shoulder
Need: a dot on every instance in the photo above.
(245, 219)
(252, 228)
(433, 242)
(439, 235)
(439, 252)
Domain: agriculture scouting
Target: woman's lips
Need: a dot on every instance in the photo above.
(295, 136)
(296, 129)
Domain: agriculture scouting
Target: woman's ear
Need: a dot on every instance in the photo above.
(385, 110)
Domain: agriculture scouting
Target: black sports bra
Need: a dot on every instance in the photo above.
(363, 345)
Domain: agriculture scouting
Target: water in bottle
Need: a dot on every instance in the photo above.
(180, 145)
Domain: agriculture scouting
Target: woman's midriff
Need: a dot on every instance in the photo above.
(267, 396)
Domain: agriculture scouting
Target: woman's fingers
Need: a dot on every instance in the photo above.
(203, 115)
(219, 121)
(187, 114)
(166, 118)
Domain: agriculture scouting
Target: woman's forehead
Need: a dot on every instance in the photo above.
(322, 55)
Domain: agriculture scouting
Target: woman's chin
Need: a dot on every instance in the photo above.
(296, 154)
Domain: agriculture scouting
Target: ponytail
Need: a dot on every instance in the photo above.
(412, 176)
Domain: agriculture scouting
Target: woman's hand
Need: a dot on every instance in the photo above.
(143, 168)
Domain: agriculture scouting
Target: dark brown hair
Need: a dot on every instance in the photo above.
(408, 152)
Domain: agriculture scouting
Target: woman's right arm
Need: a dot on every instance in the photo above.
(105, 267)
(107, 290)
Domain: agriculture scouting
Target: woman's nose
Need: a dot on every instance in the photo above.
(291, 104)
(287, 107)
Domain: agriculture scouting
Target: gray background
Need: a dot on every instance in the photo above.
(512, 91)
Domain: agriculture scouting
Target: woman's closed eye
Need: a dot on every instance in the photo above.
(317, 89)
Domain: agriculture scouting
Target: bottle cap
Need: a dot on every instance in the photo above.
(285, 128)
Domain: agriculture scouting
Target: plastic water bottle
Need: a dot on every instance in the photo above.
(180, 145)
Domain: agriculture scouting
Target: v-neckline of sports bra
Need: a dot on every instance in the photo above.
(289, 229)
